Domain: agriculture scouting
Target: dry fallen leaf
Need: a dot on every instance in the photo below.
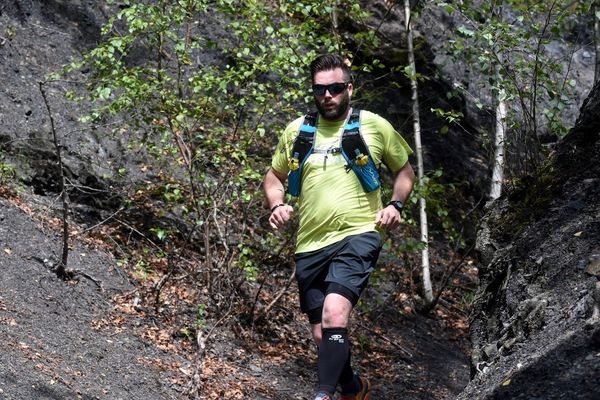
(8, 251)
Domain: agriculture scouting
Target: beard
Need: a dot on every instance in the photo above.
(336, 113)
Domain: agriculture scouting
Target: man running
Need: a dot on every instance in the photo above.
(341, 212)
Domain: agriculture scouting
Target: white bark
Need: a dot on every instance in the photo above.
(498, 171)
(427, 288)
(595, 9)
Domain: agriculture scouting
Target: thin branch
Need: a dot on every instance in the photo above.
(390, 341)
(61, 268)
(139, 233)
(281, 292)
(376, 30)
(103, 221)
(446, 279)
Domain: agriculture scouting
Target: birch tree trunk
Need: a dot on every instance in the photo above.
(500, 133)
(498, 171)
(427, 289)
(596, 15)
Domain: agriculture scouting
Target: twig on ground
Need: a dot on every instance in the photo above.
(281, 292)
(69, 273)
(390, 341)
(103, 221)
(449, 306)
(91, 278)
(139, 233)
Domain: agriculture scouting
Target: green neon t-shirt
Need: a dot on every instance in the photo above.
(332, 203)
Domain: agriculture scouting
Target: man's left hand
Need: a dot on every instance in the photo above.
(388, 218)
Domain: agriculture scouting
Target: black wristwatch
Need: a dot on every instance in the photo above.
(398, 205)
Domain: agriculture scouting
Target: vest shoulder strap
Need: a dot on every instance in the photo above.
(301, 150)
(358, 157)
(305, 140)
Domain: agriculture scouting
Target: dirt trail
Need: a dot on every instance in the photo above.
(72, 341)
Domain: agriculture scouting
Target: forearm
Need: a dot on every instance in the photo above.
(403, 183)
(275, 195)
(274, 189)
(391, 215)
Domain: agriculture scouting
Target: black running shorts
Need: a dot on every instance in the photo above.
(343, 267)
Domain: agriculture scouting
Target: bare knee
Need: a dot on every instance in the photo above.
(335, 317)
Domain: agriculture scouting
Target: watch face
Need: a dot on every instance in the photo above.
(397, 205)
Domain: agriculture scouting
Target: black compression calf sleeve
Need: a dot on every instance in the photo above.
(349, 382)
(347, 373)
(333, 354)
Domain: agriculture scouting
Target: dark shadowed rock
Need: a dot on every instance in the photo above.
(536, 301)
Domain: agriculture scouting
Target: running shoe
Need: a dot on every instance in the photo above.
(363, 394)
(323, 396)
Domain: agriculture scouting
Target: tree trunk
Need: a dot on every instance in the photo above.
(427, 289)
(498, 171)
(500, 133)
(596, 11)
(61, 268)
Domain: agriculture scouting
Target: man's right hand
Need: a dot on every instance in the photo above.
(280, 216)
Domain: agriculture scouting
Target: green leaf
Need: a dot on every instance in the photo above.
(104, 93)
(465, 31)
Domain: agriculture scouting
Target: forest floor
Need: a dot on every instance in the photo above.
(90, 338)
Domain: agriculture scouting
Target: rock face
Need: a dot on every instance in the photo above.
(535, 324)
(38, 38)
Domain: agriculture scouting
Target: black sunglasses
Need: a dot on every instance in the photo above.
(333, 88)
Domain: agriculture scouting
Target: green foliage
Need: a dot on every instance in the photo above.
(411, 74)
(506, 43)
(201, 105)
(201, 316)
(160, 233)
(247, 262)
(466, 301)
(7, 170)
(452, 117)
(143, 270)
(438, 196)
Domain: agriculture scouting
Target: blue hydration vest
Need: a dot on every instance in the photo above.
(353, 148)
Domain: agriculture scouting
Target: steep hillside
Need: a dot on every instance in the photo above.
(534, 330)
(70, 340)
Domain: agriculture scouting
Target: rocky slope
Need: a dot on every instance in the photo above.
(70, 341)
(535, 326)
(37, 38)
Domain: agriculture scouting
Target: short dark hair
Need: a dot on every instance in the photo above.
(326, 62)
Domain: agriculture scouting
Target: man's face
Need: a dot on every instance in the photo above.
(332, 106)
